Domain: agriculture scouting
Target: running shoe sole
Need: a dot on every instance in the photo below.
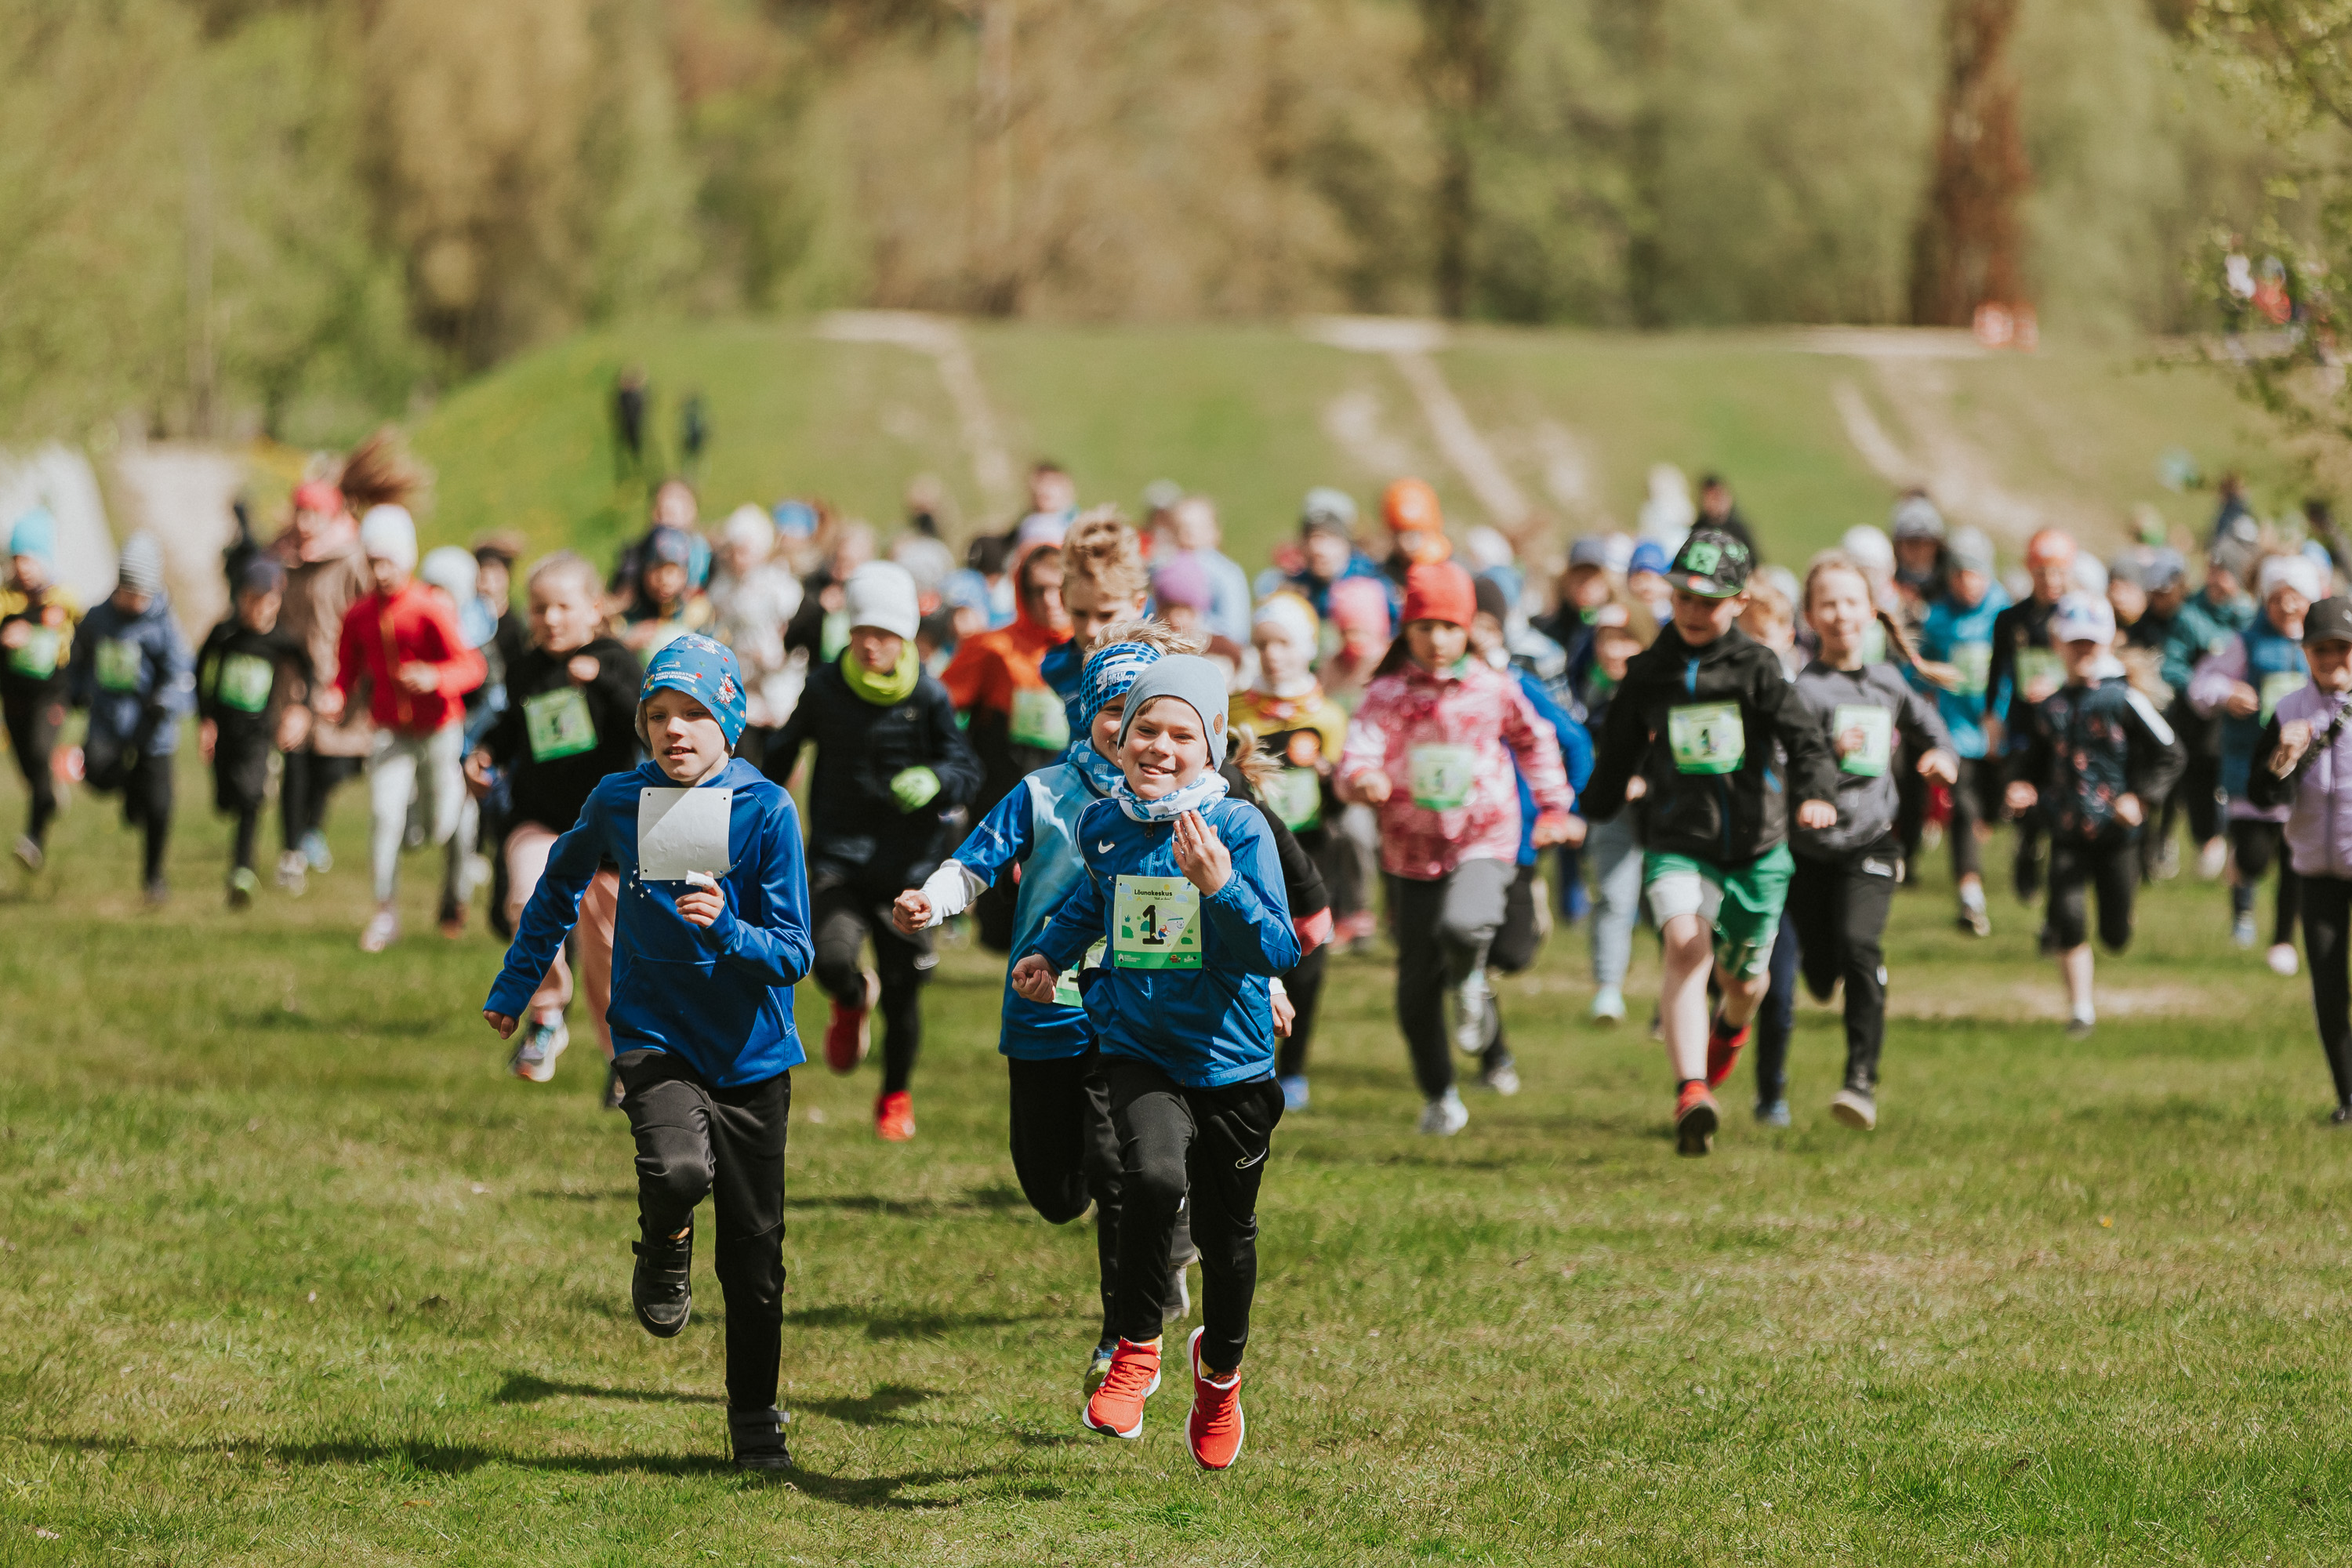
(1086, 1416)
(1694, 1130)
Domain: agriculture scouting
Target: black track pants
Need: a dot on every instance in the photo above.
(1839, 909)
(1065, 1155)
(841, 916)
(2327, 940)
(34, 719)
(2110, 861)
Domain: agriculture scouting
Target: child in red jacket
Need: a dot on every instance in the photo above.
(402, 642)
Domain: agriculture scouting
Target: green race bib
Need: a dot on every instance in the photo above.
(1973, 661)
(1706, 738)
(1065, 989)
(832, 635)
(1296, 796)
(557, 725)
(244, 682)
(1444, 776)
(1155, 923)
(38, 658)
(2038, 666)
(1878, 727)
(2275, 684)
(119, 662)
(1038, 720)
(1874, 643)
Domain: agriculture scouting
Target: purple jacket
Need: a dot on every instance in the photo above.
(2319, 822)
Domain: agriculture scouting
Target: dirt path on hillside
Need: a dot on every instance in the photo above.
(992, 460)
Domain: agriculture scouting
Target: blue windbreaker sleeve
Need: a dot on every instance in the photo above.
(1079, 923)
(1002, 837)
(175, 688)
(1250, 913)
(1575, 740)
(779, 951)
(549, 917)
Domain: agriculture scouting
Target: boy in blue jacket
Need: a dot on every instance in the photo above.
(1184, 890)
(132, 671)
(711, 935)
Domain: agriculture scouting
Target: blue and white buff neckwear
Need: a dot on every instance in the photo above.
(1105, 679)
(1206, 789)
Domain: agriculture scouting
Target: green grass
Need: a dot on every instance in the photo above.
(291, 1272)
(1239, 412)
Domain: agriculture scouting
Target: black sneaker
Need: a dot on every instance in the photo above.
(662, 1288)
(2341, 1114)
(759, 1440)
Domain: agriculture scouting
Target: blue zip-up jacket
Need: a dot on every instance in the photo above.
(1207, 1026)
(2271, 655)
(134, 674)
(1963, 640)
(719, 996)
(1035, 826)
(1575, 756)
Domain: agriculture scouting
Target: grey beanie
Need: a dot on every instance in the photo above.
(1970, 551)
(1188, 679)
(141, 567)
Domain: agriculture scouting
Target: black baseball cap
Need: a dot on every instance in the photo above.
(1711, 564)
(2330, 620)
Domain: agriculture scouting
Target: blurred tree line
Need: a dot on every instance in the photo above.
(299, 212)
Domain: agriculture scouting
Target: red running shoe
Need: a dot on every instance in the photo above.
(1117, 1408)
(1696, 1119)
(894, 1117)
(1214, 1428)
(848, 1037)
(1723, 1050)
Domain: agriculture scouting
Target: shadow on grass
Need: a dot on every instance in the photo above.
(525, 1388)
(875, 1409)
(888, 1325)
(993, 1199)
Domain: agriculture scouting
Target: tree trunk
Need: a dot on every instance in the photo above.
(1965, 250)
(1459, 71)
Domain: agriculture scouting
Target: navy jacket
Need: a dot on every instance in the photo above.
(135, 675)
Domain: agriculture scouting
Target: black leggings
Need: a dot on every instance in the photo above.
(34, 718)
(1197, 1150)
(302, 790)
(2255, 845)
(1305, 985)
(697, 1140)
(146, 781)
(842, 915)
(1837, 910)
(2112, 862)
(2327, 942)
(1976, 801)
(2199, 793)
(1444, 930)
(1064, 1154)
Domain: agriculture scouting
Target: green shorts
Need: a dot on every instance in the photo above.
(1743, 904)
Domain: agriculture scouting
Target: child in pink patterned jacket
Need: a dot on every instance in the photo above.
(1431, 747)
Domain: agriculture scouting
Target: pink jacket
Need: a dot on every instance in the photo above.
(1446, 744)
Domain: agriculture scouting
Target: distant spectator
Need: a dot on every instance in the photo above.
(1197, 534)
(1327, 548)
(1719, 509)
(629, 425)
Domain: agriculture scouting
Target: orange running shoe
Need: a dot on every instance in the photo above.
(894, 1117)
(1216, 1426)
(848, 1037)
(1117, 1408)
(1723, 1050)
(1695, 1119)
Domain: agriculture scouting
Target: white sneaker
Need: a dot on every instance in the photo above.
(29, 854)
(2283, 959)
(1504, 1081)
(293, 872)
(2241, 931)
(1446, 1115)
(2079, 1026)
(383, 931)
(1474, 1013)
(1608, 1005)
(535, 1053)
(2212, 858)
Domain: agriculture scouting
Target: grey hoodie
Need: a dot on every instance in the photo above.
(1866, 799)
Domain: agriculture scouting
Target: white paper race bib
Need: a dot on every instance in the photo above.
(1038, 720)
(558, 724)
(683, 830)
(1065, 989)
(1706, 738)
(1155, 923)
(1443, 777)
(1878, 727)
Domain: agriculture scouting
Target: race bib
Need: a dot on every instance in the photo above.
(38, 657)
(558, 724)
(682, 830)
(1973, 663)
(2275, 684)
(1444, 776)
(245, 682)
(1706, 738)
(1878, 727)
(1155, 923)
(1874, 643)
(2039, 668)
(1038, 720)
(832, 635)
(1296, 796)
(119, 662)
(1065, 989)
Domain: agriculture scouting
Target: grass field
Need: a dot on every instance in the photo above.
(292, 1273)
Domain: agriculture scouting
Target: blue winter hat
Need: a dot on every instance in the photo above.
(1191, 679)
(1648, 556)
(36, 534)
(794, 519)
(1104, 680)
(706, 671)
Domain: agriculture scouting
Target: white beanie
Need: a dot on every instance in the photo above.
(1868, 548)
(389, 533)
(748, 527)
(1292, 616)
(2300, 573)
(881, 595)
(453, 571)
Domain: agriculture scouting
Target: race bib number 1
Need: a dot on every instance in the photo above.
(558, 724)
(1706, 738)
(1155, 923)
(1878, 727)
(1444, 776)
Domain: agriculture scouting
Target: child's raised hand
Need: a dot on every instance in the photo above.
(2294, 739)
(1941, 766)
(2128, 811)
(207, 735)
(1201, 855)
(1034, 978)
(911, 912)
(582, 667)
(418, 676)
(1818, 814)
(501, 1022)
(2019, 797)
(1636, 787)
(1558, 827)
(701, 906)
(2242, 700)
(1372, 787)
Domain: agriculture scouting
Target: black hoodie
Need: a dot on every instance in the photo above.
(1730, 816)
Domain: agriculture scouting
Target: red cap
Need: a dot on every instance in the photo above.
(1409, 506)
(317, 496)
(1438, 591)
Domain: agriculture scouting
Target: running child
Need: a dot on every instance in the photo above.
(2306, 764)
(2026, 670)
(1183, 889)
(2091, 754)
(1104, 582)
(1955, 662)
(891, 762)
(1611, 848)
(37, 634)
(402, 642)
(711, 935)
(1843, 882)
(1431, 749)
(243, 677)
(1690, 739)
(132, 672)
(570, 721)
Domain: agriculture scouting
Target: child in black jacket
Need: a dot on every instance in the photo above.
(891, 762)
(2095, 753)
(241, 689)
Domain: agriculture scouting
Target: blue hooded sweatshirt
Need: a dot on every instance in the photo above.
(1035, 825)
(719, 996)
(134, 674)
(1205, 1024)
(1575, 756)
